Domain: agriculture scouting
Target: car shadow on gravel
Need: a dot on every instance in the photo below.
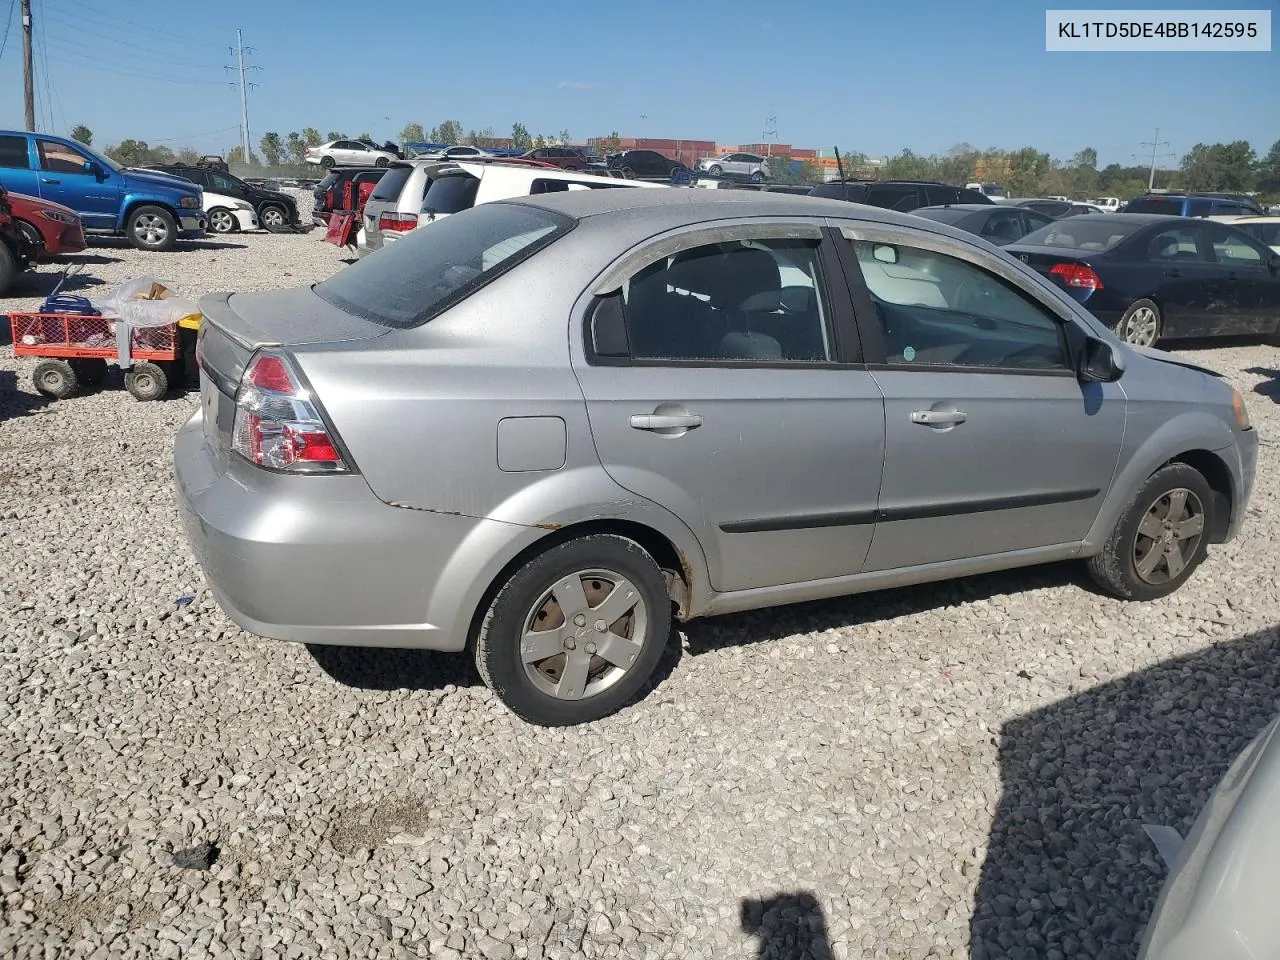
(15, 402)
(1271, 386)
(120, 243)
(787, 925)
(1069, 871)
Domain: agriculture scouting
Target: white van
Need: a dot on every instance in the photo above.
(1108, 204)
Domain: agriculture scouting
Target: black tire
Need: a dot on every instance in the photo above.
(1142, 324)
(55, 378)
(273, 218)
(757, 177)
(222, 220)
(326, 162)
(90, 371)
(498, 644)
(8, 268)
(715, 169)
(152, 228)
(146, 381)
(35, 242)
(381, 162)
(1117, 568)
(628, 173)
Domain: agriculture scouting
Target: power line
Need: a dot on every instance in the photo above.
(8, 24)
(196, 136)
(128, 40)
(137, 76)
(54, 102)
(80, 48)
(113, 19)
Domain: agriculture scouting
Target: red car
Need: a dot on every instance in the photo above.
(50, 228)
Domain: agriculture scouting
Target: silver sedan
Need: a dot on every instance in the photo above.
(541, 428)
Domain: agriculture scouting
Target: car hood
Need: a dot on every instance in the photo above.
(275, 195)
(1173, 359)
(158, 179)
(20, 202)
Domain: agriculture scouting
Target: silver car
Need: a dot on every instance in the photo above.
(537, 429)
(348, 153)
(749, 165)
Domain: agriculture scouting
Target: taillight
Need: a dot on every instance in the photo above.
(1077, 275)
(278, 423)
(398, 222)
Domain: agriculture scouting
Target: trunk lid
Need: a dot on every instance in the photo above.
(1044, 259)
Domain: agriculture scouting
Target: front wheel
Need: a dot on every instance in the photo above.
(33, 239)
(1160, 538)
(222, 220)
(146, 381)
(55, 378)
(8, 268)
(757, 177)
(1141, 324)
(715, 169)
(272, 218)
(152, 228)
(574, 634)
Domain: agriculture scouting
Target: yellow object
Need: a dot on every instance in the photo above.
(191, 321)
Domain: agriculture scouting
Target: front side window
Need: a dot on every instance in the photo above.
(13, 153)
(57, 158)
(1178, 243)
(1232, 249)
(758, 300)
(938, 310)
(221, 183)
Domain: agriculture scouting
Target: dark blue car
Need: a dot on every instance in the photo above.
(1152, 277)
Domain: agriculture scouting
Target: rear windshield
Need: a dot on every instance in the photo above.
(389, 184)
(451, 194)
(1075, 233)
(432, 269)
(329, 180)
(1169, 205)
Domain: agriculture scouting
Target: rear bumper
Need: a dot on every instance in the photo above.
(320, 559)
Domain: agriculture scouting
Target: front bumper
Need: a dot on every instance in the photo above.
(191, 225)
(247, 219)
(320, 559)
(1248, 448)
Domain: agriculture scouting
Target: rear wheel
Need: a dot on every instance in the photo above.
(55, 378)
(8, 268)
(90, 371)
(574, 634)
(1160, 538)
(1141, 324)
(272, 218)
(381, 162)
(146, 381)
(326, 162)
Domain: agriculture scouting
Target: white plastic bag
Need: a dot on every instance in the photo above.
(130, 313)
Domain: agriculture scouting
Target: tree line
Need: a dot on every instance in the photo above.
(1025, 172)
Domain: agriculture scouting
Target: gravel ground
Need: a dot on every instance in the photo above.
(959, 770)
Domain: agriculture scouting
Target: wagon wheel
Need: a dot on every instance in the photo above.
(55, 378)
(90, 371)
(146, 381)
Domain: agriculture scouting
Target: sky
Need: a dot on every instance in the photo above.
(865, 77)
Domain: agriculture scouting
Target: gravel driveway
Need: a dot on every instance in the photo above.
(958, 770)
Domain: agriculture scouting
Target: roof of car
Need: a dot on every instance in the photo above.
(1142, 218)
(970, 207)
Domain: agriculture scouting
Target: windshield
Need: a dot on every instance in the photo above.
(101, 158)
(991, 191)
(432, 269)
(1077, 233)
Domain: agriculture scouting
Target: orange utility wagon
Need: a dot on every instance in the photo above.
(76, 348)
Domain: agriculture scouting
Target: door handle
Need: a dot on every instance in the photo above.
(1175, 272)
(49, 180)
(665, 421)
(935, 418)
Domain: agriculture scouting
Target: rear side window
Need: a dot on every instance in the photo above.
(1166, 205)
(13, 153)
(1198, 208)
(431, 270)
(904, 199)
(1177, 243)
(832, 191)
(451, 194)
(938, 195)
(391, 182)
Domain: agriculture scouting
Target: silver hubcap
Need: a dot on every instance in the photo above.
(220, 221)
(1141, 327)
(150, 229)
(1168, 536)
(584, 634)
(272, 217)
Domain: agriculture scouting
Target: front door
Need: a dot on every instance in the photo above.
(736, 402)
(992, 444)
(65, 178)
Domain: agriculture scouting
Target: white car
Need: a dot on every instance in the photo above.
(1108, 204)
(348, 153)
(227, 214)
(1263, 229)
(461, 151)
(750, 165)
(434, 190)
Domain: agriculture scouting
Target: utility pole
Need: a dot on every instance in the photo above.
(239, 50)
(28, 83)
(1155, 144)
(770, 131)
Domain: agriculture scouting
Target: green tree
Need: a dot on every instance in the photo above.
(564, 137)
(610, 144)
(1269, 170)
(412, 133)
(82, 133)
(1028, 171)
(910, 166)
(160, 154)
(365, 136)
(272, 149)
(235, 158)
(449, 132)
(188, 155)
(1219, 166)
(295, 147)
(334, 135)
(480, 138)
(520, 138)
(129, 153)
(311, 137)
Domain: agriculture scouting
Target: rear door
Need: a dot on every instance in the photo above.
(1248, 285)
(992, 445)
(17, 174)
(737, 401)
(1188, 284)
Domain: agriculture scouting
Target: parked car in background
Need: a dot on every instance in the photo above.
(454, 186)
(1152, 277)
(348, 153)
(49, 229)
(274, 210)
(993, 222)
(1052, 207)
(229, 214)
(328, 193)
(1108, 204)
(460, 151)
(647, 165)
(901, 195)
(532, 430)
(749, 166)
(16, 251)
(1219, 898)
(1265, 229)
(152, 210)
(1193, 205)
(992, 190)
(567, 158)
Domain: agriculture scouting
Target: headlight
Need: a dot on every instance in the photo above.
(190, 203)
(57, 217)
(241, 205)
(1240, 410)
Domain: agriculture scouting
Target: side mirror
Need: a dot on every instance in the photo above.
(609, 328)
(1100, 362)
(884, 253)
(96, 169)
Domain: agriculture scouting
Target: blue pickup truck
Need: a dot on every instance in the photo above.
(151, 210)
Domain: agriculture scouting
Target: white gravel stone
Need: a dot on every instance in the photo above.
(955, 770)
